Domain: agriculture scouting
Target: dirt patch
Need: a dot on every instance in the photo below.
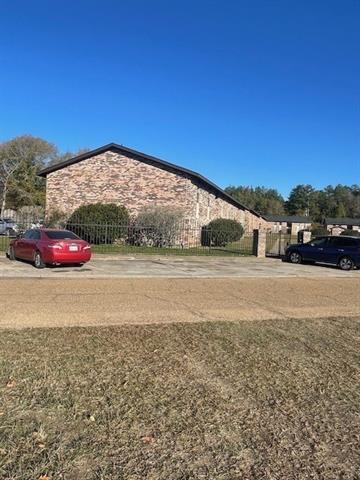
(51, 303)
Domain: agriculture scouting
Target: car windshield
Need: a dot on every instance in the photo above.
(61, 235)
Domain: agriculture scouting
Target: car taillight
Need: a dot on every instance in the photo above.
(87, 247)
(55, 246)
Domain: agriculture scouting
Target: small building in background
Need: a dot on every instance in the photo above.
(290, 224)
(337, 225)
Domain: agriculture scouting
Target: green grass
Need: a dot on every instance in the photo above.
(224, 401)
(128, 249)
(235, 249)
(242, 247)
(4, 243)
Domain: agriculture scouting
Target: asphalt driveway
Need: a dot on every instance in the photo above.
(111, 266)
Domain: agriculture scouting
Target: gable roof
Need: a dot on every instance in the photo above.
(288, 218)
(342, 221)
(150, 160)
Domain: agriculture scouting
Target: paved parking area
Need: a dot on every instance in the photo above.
(111, 266)
(114, 290)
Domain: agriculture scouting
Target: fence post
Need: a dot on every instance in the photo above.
(280, 242)
(259, 243)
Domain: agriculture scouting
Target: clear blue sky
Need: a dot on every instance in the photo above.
(245, 92)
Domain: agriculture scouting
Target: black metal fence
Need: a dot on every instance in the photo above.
(181, 238)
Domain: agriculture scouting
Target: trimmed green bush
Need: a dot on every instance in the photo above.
(99, 223)
(220, 232)
(352, 233)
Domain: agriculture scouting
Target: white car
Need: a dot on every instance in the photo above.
(8, 227)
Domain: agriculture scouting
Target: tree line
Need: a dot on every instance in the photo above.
(23, 156)
(331, 201)
(20, 160)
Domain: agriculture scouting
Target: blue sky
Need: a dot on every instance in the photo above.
(244, 92)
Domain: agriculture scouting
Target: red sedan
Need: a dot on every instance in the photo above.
(47, 246)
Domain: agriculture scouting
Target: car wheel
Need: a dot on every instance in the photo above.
(295, 257)
(11, 253)
(345, 263)
(38, 261)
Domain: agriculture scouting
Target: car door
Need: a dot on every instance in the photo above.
(24, 245)
(30, 244)
(315, 251)
(340, 246)
(2, 227)
(20, 244)
(334, 249)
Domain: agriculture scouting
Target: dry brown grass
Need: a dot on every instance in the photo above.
(251, 400)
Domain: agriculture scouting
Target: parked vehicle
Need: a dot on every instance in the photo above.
(37, 224)
(343, 251)
(8, 227)
(48, 246)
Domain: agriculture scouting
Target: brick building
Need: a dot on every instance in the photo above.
(291, 224)
(117, 174)
(337, 225)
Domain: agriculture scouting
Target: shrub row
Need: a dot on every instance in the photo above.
(353, 233)
(159, 227)
(319, 230)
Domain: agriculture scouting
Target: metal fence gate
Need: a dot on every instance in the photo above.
(276, 243)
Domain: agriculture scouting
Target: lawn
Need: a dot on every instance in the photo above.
(4, 243)
(229, 250)
(242, 248)
(226, 401)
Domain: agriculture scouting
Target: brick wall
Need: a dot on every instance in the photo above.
(338, 229)
(284, 227)
(114, 178)
(297, 227)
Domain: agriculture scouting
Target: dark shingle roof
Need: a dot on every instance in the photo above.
(157, 162)
(342, 221)
(288, 218)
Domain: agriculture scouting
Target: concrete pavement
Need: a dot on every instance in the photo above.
(114, 266)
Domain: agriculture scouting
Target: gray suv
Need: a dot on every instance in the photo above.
(8, 227)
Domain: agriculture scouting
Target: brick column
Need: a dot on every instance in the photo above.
(259, 243)
(306, 237)
(303, 236)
